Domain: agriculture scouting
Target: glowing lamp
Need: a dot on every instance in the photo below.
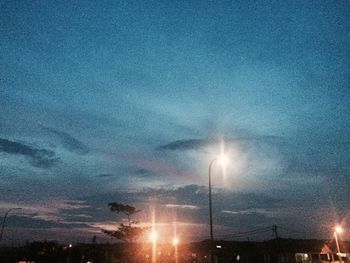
(175, 241)
(153, 236)
(338, 229)
(222, 160)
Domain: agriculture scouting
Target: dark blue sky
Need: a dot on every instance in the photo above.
(130, 100)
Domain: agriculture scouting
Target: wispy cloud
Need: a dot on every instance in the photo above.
(248, 212)
(181, 206)
(193, 144)
(41, 158)
(186, 144)
(106, 175)
(143, 172)
(53, 210)
(68, 141)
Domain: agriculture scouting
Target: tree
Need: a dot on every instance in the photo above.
(126, 233)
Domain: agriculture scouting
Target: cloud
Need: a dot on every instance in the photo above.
(181, 206)
(41, 158)
(193, 144)
(69, 142)
(53, 213)
(187, 144)
(34, 222)
(253, 211)
(144, 173)
(105, 175)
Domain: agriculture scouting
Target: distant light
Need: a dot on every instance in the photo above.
(70, 245)
(218, 246)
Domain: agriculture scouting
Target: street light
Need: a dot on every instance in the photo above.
(175, 241)
(175, 244)
(222, 160)
(337, 230)
(4, 220)
(153, 237)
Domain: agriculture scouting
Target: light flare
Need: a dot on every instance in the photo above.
(154, 237)
(175, 241)
(223, 161)
(338, 229)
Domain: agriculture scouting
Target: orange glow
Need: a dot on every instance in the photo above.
(153, 236)
(175, 241)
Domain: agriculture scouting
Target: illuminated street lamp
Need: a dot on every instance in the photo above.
(175, 241)
(337, 230)
(175, 244)
(153, 236)
(4, 220)
(222, 160)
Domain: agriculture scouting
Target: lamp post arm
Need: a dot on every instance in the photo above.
(4, 220)
(3, 223)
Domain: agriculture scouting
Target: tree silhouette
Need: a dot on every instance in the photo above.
(126, 233)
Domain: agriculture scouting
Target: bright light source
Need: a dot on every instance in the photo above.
(175, 241)
(218, 246)
(153, 236)
(338, 229)
(222, 160)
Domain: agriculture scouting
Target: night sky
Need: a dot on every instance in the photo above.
(129, 101)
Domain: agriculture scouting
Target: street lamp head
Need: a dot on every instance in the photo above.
(175, 241)
(153, 236)
(222, 160)
(338, 229)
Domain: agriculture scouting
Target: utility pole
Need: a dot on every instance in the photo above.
(274, 231)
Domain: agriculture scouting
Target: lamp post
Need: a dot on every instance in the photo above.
(338, 230)
(153, 238)
(175, 244)
(4, 220)
(222, 159)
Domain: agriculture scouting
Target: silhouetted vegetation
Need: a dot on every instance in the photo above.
(126, 233)
(273, 251)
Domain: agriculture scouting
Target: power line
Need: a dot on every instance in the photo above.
(304, 232)
(274, 230)
(253, 232)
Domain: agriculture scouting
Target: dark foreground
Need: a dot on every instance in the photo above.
(272, 251)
